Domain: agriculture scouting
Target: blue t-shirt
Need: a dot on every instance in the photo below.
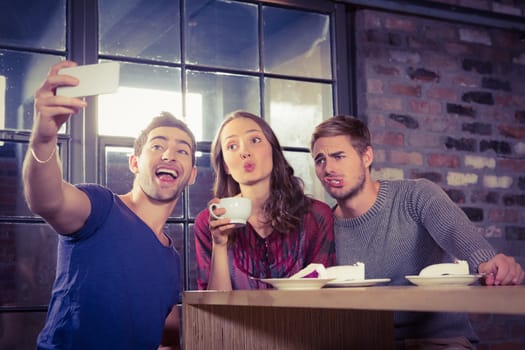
(115, 282)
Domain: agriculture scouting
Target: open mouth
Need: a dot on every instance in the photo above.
(167, 173)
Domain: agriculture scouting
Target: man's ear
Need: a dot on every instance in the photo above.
(193, 176)
(133, 164)
(368, 156)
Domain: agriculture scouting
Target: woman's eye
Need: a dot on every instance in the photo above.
(156, 147)
(183, 151)
(231, 147)
(256, 140)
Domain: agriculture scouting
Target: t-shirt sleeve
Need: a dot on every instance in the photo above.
(102, 199)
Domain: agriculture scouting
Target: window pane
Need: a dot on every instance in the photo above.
(27, 264)
(202, 191)
(303, 166)
(144, 91)
(176, 233)
(296, 43)
(20, 330)
(20, 75)
(213, 95)
(140, 29)
(118, 176)
(12, 201)
(120, 179)
(222, 34)
(294, 108)
(33, 23)
(192, 260)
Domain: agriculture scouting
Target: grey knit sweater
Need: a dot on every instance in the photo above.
(412, 224)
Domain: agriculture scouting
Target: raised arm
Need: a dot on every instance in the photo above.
(61, 204)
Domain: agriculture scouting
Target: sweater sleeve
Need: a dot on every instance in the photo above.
(448, 225)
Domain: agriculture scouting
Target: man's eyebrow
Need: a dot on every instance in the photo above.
(336, 154)
(164, 138)
(158, 137)
(333, 154)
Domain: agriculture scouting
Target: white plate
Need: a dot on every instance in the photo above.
(357, 283)
(447, 280)
(297, 283)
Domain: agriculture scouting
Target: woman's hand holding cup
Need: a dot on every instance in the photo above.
(226, 214)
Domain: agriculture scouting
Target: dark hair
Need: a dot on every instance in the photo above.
(345, 125)
(164, 119)
(287, 203)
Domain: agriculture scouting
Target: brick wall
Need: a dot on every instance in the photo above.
(446, 101)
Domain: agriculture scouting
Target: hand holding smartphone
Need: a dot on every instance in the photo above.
(94, 79)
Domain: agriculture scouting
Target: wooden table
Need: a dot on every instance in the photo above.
(328, 318)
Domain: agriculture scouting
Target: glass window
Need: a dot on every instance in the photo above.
(144, 91)
(119, 177)
(176, 233)
(296, 43)
(28, 261)
(192, 258)
(142, 29)
(12, 202)
(222, 34)
(20, 330)
(33, 24)
(294, 108)
(303, 166)
(202, 191)
(21, 74)
(213, 95)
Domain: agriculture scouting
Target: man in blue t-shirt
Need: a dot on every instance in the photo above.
(117, 279)
(396, 228)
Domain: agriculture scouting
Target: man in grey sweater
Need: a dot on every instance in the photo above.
(396, 228)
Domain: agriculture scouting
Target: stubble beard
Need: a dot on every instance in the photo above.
(151, 191)
(351, 192)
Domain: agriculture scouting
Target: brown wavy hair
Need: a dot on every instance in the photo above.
(287, 203)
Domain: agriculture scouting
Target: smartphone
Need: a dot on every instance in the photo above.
(94, 79)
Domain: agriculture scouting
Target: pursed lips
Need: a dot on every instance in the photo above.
(333, 181)
(249, 166)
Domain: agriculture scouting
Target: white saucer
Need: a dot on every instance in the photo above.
(357, 283)
(297, 283)
(446, 280)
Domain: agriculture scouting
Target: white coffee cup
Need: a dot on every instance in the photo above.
(238, 209)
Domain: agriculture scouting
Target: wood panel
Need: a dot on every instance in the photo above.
(247, 327)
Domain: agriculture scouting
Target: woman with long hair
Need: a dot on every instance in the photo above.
(286, 231)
